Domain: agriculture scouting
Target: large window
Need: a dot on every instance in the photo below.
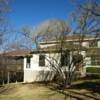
(41, 60)
(28, 60)
(95, 60)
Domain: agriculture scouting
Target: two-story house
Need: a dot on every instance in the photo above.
(38, 66)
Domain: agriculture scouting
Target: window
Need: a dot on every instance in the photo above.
(28, 62)
(93, 44)
(95, 60)
(41, 60)
(65, 59)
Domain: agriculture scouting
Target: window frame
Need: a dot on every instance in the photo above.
(28, 62)
(42, 60)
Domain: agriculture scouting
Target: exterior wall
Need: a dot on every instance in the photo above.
(99, 44)
(85, 44)
(36, 72)
(43, 73)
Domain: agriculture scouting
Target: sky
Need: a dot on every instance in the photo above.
(34, 12)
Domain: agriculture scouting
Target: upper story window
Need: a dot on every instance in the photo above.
(28, 60)
(41, 60)
(93, 43)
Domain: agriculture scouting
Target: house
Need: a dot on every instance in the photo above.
(37, 67)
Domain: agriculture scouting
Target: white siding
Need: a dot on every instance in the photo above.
(36, 72)
(99, 44)
(85, 44)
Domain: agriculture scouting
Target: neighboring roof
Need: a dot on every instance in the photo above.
(17, 53)
(71, 38)
(58, 48)
(64, 46)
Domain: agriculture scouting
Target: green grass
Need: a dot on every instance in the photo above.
(93, 69)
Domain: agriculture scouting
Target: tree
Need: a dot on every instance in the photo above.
(88, 17)
(62, 52)
(88, 24)
(47, 30)
(88, 21)
(4, 9)
(59, 57)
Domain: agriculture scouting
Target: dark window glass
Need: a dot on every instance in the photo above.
(41, 60)
(28, 62)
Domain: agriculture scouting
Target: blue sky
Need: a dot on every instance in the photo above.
(33, 12)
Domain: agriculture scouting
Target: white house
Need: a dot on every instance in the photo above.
(37, 67)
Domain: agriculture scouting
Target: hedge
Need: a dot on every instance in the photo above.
(93, 69)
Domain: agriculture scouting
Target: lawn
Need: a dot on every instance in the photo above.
(93, 69)
(80, 90)
(28, 92)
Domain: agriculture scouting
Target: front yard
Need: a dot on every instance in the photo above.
(80, 90)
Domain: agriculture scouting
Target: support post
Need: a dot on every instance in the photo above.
(8, 77)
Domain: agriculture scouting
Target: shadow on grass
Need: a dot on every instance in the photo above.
(91, 86)
(81, 91)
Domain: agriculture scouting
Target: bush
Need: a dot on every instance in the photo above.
(93, 69)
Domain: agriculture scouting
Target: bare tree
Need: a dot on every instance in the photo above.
(87, 24)
(61, 57)
(64, 57)
(4, 9)
(88, 17)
